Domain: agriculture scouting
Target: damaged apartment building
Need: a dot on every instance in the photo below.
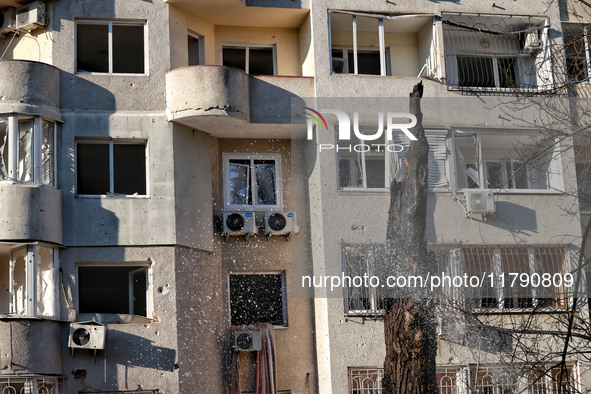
(156, 197)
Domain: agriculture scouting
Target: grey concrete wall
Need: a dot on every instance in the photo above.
(143, 353)
(30, 212)
(193, 161)
(112, 92)
(131, 220)
(200, 321)
(29, 87)
(271, 97)
(31, 346)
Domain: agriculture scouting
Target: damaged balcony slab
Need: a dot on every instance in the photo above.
(228, 103)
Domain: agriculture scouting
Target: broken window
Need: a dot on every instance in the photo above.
(28, 280)
(252, 181)
(364, 44)
(32, 139)
(113, 289)
(496, 52)
(195, 49)
(257, 298)
(361, 260)
(372, 165)
(107, 167)
(255, 60)
(110, 47)
(506, 162)
(578, 56)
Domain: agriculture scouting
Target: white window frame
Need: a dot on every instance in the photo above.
(587, 48)
(226, 157)
(496, 269)
(112, 142)
(201, 38)
(36, 154)
(110, 24)
(345, 59)
(283, 293)
(32, 255)
(481, 163)
(247, 47)
(373, 296)
(141, 265)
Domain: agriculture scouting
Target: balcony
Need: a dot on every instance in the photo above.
(29, 88)
(228, 103)
(30, 212)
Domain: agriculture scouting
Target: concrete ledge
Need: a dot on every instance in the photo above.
(30, 346)
(32, 84)
(30, 212)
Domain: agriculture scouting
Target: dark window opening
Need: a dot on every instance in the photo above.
(93, 169)
(113, 289)
(93, 48)
(252, 60)
(194, 50)
(128, 49)
(257, 298)
(129, 169)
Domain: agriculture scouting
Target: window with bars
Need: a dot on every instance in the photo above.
(31, 385)
(365, 380)
(360, 260)
(577, 52)
(494, 294)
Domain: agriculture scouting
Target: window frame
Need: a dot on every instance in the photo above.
(480, 161)
(201, 48)
(246, 47)
(345, 59)
(586, 31)
(371, 270)
(496, 269)
(226, 157)
(110, 23)
(283, 293)
(31, 282)
(111, 142)
(13, 141)
(147, 265)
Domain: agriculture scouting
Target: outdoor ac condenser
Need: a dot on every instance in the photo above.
(87, 335)
(239, 223)
(280, 223)
(247, 341)
(31, 16)
(480, 201)
(7, 20)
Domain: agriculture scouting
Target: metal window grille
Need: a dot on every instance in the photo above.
(30, 385)
(365, 380)
(447, 380)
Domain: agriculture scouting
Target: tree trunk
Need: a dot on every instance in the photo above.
(410, 334)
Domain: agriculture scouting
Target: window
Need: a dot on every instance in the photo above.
(257, 298)
(578, 56)
(503, 380)
(31, 384)
(28, 277)
(496, 52)
(506, 161)
(365, 380)
(106, 167)
(369, 165)
(479, 261)
(195, 49)
(448, 379)
(33, 140)
(114, 289)
(252, 59)
(360, 260)
(368, 61)
(252, 182)
(110, 47)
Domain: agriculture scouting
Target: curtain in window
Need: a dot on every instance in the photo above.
(25, 151)
(265, 183)
(47, 138)
(45, 283)
(3, 148)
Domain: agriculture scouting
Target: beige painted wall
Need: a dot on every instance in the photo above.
(181, 22)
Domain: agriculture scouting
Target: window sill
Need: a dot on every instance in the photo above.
(115, 196)
(513, 191)
(357, 190)
(518, 311)
(113, 318)
(113, 74)
(11, 316)
(242, 208)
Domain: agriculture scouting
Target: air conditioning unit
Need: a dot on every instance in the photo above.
(280, 223)
(7, 20)
(239, 223)
(247, 341)
(87, 335)
(31, 16)
(480, 201)
(531, 41)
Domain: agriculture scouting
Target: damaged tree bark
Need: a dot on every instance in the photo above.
(409, 325)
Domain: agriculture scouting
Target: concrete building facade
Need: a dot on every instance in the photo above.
(148, 147)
